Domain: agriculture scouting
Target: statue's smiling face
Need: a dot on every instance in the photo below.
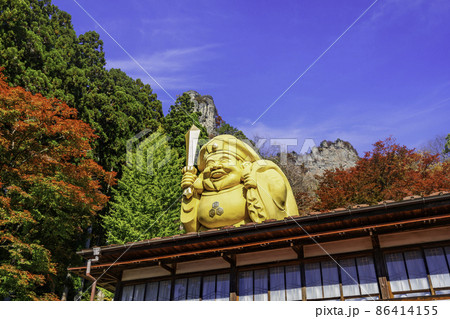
(222, 171)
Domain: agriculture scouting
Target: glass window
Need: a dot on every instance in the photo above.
(179, 293)
(407, 272)
(313, 281)
(443, 292)
(417, 272)
(152, 291)
(277, 287)
(164, 290)
(209, 288)
(193, 291)
(397, 272)
(293, 283)
(330, 279)
(437, 265)
(261, 285)
(189, 289)
(139, 291)
(246, 286)
(223, 287)
(412, 294)
(349, 275)
(127, 293)
(367, 275)
(447, 252)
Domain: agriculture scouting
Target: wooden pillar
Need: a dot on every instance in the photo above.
(173, 271)
(381, 269)
(233, 275)
(301, 256)
(118, 291)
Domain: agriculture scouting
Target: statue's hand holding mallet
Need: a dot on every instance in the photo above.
(187, 182)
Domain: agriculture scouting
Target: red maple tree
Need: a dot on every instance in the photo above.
(49, 191)
(389, 172)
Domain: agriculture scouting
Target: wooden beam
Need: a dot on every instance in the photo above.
(298, 250)
(168, 268)
(227, 258)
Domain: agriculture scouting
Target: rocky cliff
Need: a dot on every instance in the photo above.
(302, 170)
(329, 155)
(205, 105)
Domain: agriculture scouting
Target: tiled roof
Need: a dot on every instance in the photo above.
(353, 209)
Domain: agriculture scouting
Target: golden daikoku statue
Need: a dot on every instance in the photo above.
(234, 186)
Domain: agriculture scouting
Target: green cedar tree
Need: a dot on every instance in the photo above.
(146, 201)
(226, 128)
(42, 53)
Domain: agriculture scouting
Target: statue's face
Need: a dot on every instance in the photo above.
(222, 171)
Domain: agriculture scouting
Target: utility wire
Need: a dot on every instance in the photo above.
(315, 61)
(133, 59)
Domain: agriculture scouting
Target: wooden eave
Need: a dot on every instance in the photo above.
(413, 213)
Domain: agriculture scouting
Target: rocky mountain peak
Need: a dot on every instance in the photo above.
(205, 105)
(329, 155)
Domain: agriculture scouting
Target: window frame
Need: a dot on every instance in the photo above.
(301, 262)
(422, 247)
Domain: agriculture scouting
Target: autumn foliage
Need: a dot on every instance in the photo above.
(388, 172)
(49, 191)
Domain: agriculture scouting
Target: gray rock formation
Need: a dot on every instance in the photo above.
(329, 155)
(302, 170)
(205, 105)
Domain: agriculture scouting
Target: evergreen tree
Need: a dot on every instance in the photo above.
(42, 53)
(226, 128)
(146, 201)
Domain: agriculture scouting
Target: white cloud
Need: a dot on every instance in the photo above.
(429, 12)
(173, 68)
(173, 60)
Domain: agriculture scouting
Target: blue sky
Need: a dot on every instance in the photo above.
(388, 75)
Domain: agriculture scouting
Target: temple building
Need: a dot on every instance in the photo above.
(245, 241)
(392, 250)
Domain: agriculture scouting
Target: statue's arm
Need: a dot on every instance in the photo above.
(255, 206)
(189, 213)
(190, 200)
(271, 189)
